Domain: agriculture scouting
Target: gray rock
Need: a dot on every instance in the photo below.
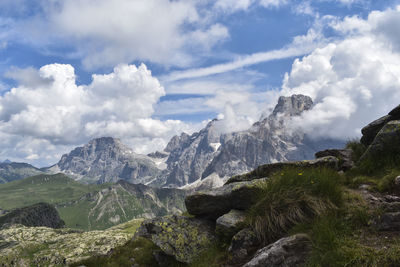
(386, 142)
(395, 112)
(219, 201)
(268, 169)
(344, 155)
(389, 222)
(371, 130)
(288, 251)
(104, 160)
(243, 244)
(181, 237)
(229, 224)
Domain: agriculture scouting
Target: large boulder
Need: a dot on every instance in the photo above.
(386, 142)
(371, 130)
(41, 214)
(268, 169)
(288, 251)
(216, 202)
(243, 244)
(230, 223)
(178, 236)
(345, 157)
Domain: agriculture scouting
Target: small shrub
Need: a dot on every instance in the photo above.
(291, 197)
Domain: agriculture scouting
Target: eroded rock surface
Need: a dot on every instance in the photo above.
(344, 155)
(182, 237)
(230, 223)
(288, 251)
(243, 244)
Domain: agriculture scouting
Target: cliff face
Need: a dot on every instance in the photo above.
(210, 156)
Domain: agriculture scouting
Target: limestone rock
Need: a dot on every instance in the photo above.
(182, 237)
(288, 251)
(268, 169)
(389, 222)
(230, 223)
(41, 214)
(243, 244)
(219, 201)
(344, 155)
(387, 141)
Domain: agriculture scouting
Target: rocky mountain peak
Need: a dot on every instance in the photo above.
(293, 105)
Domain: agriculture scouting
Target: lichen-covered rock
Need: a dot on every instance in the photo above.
(268, 169)
(344, 155)
(243, 244)
(41, 214)
(219, 201)
(288, 251)
(386, 142)
(230, 223)
(389, 222)
(42, 246)
(182, 237)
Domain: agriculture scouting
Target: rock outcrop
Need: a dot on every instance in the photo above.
(41, 214)
(386, 142)
(371, 130)
(288, 251)
(229, 224)
(243, 245)
(219, 201)
(268, 169)
(345, 157)
(104, 160)
(182, 237)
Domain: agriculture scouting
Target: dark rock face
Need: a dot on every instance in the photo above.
(178, 236)
(243, 244)
(344, 155)
(104, 160)
(268, 169)
(288, 251)
(387, 141)
(11, 171)
(389, 222)
(371, 130)
(41, 214)
(219, 201)
(208, 152)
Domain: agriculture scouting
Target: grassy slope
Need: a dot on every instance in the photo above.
(42, 188)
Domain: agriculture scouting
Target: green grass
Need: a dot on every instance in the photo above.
(42, 188)
(293, 196)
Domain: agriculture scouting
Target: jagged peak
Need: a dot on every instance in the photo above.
(293, 105)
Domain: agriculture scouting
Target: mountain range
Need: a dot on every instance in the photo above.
(201, 160)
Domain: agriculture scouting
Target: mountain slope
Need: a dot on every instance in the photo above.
(90, 206)
(11, 171)
(104, 160)
(207, 157)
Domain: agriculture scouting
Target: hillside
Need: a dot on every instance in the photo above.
(11, 171)
(89, 206)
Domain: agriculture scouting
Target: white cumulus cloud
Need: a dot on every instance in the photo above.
(352, 81)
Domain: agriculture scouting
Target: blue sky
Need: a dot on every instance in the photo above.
(201, 59)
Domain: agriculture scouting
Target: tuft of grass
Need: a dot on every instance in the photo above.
(357, 148)
(291, 197)
(215, 256)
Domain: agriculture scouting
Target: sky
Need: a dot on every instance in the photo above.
(145, 70)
